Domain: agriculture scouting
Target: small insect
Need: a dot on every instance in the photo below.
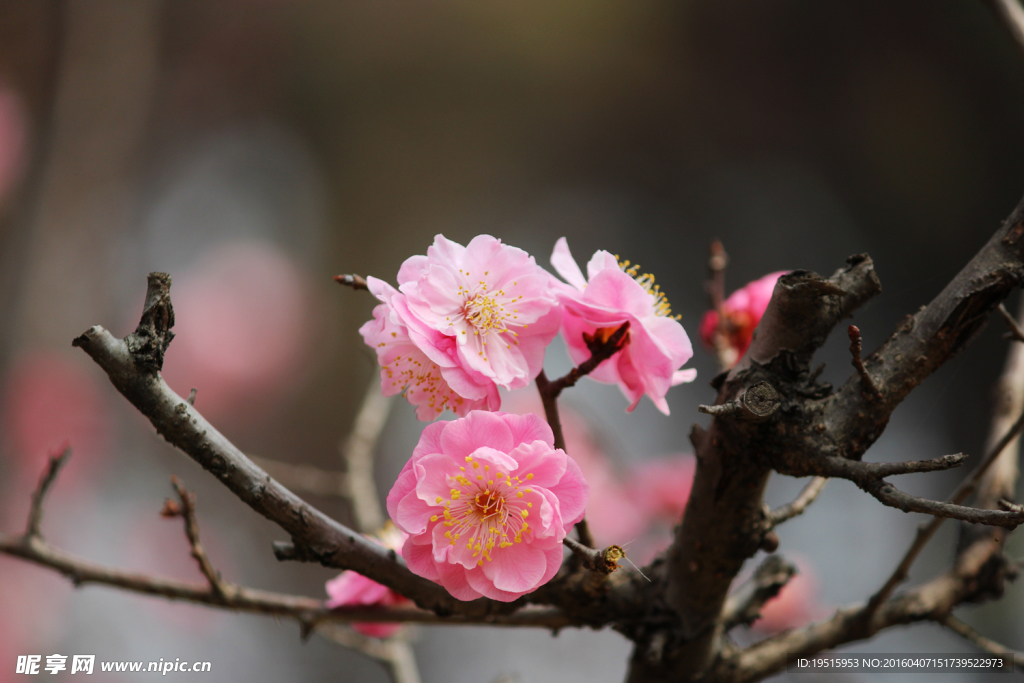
(614, 553)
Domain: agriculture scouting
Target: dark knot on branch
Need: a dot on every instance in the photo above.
(757, 403)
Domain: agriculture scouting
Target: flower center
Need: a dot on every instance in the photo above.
(485, 313)
(485, 509)
(646, 280)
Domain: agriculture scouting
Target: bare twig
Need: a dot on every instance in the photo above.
(354, 281)
(357, 452)
(600, 351)
(725, 353)
(302, 609)
(187, 512)
(35, 515)
(1016, 331)
(744, 606)
(870, 388)
(1012, 658)
(602, 561)
(925, 532)
(929, 602)
(807, 496)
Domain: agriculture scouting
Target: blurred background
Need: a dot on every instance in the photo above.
(255, 148)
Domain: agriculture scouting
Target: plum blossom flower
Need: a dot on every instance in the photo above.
(486, 501)
(656, 345)
(743, 310)
(464, 321)
(350, 588)
(405, 368)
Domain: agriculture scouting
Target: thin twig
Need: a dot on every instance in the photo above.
(1011, 657)
(600, 351)
(725, 353)
(357, 452)
(744, 606)
(790, 510)
(1016, 331)
(926, 532)
(354, 281)
(35, 515)
(870, 388)
(602, 561)
(302, 609)
(187, 512)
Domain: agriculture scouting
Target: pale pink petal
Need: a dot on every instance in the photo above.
(518, 569)
(413, 514)
(601, 260)
(546, 466)
(566, 265)
(572, 493)
(432, 477)
(528, 428)
(453, 578)
(420, 560)
(461, 437)
(683, 376)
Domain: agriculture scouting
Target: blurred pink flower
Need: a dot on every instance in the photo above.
(13, 139)
(350, 588)
(491, 303)
(50, 401)
(405, 368)
(656, 345)
(796, 604)
(743, 311)
(662, 487)
(486, 501)
(242, 327)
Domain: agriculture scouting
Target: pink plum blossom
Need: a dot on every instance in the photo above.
(655, 347)
(743, 311)
(486, 501)
(350, 588)
(492, 300)
(405, 368)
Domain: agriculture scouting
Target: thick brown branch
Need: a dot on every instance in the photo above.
(184, 427)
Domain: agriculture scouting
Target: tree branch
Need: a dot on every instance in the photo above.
(131, 364)
(1012, 658)
(357, 453)
(357, 282)
(807, 496)
(35, 515)
(744, 606)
